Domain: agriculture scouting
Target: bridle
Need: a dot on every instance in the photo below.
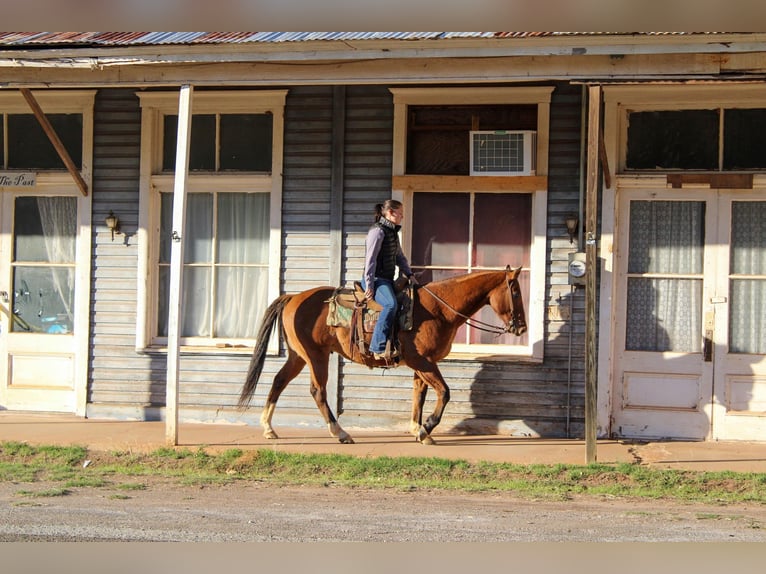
(510, 327)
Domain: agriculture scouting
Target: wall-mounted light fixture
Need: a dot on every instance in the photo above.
(112, 223)
(573, 224)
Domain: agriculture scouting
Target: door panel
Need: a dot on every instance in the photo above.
(37, 280)
(739, 407)
(662, 384)
(690, 342)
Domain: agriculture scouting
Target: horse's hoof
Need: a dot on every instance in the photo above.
(346, 440)
(423, 437)
(270, 434)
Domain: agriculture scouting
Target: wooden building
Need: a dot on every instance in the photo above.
(656, 140)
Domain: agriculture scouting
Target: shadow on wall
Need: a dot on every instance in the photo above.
(534, 400)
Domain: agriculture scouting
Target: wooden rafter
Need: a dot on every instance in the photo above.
(55, 140)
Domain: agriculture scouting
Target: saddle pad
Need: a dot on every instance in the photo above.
(344, 301)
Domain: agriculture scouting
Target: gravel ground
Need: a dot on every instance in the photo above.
(255, 512)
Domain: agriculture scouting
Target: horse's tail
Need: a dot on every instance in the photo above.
(270, 318)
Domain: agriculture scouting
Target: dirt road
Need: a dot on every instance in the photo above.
(252, 511)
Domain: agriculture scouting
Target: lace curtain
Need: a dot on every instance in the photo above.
(664, 310)
(45, 230)
(747, 333)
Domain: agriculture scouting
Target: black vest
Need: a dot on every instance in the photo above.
(385, 267)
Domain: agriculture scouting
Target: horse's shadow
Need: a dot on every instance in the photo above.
(523, 399)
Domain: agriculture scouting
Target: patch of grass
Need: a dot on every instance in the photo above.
(23, 463)
(50, 492)
(132, 486)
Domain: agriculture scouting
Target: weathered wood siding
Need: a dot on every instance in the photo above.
(120, 380)
(510, 397)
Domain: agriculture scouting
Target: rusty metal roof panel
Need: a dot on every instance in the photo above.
(106, 39)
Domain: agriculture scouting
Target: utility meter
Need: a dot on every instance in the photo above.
(577, 268)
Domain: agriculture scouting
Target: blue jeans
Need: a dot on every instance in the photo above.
(385, 296)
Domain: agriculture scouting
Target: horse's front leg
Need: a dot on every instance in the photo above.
(419, 391)
(435, 380)
(319, 392)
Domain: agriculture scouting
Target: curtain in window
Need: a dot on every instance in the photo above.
(226, 250)
(747, 333)
(664, 311)
(243, 255)
(45, 231)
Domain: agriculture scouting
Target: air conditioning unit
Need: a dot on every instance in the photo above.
(503, 152)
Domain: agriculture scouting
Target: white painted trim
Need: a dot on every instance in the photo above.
(152, 181)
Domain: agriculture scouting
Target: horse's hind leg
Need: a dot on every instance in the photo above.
(319, 376)
(419, 391)
(287, 373)
(433, 378)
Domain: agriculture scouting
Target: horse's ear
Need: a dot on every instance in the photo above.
(507, 268)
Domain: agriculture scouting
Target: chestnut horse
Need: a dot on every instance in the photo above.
(439, 309)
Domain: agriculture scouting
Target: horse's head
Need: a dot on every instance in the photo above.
(507, 302)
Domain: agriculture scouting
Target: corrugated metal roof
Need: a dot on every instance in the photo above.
(106, 39)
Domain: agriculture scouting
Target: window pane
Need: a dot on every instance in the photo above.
(664, 315)
(195, 303)
(748, 237)
(166, 226)
(201, 149)
(241, 297)
(747, 329)
(666, 236)
(246, 142)
(686, 139)
(744, 139)
(243, 228)
(43, 299)
(198, 241)
(45, 229)
(30, 148)
(502, 229)
(440, 229)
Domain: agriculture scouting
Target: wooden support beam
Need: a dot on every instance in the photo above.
(175, 319)
(591, 266)
(55, 140)
(475, 183)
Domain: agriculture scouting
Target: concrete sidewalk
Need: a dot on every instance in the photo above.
(141, 436)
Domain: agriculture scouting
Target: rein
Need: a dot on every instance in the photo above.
(481, 325)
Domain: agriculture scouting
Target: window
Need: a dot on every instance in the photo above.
(24, 146)
(458, 223)
(702, 128)
(231, 248)
(29, 146)
(456, 233)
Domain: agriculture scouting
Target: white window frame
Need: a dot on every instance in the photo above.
(154, 106)
(404, 187)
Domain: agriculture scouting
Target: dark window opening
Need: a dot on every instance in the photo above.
(684, 139)
(244, 140)
(30, 148)
(744, 139)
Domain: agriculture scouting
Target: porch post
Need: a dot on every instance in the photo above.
(176, 263)
(591, 262)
